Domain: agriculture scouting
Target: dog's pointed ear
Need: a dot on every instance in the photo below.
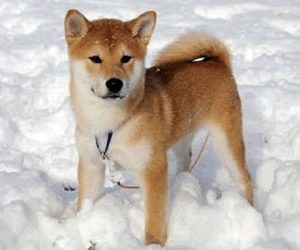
(142, 27)
(76, 25)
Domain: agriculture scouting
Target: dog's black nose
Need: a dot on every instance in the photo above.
(114, 85)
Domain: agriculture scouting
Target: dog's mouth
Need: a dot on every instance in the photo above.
(109, 96)
(119, 97)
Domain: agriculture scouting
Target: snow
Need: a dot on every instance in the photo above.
(38, 156)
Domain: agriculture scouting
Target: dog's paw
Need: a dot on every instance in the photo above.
(68, 213)
(156, 239)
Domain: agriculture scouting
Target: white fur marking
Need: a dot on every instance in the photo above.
(87, 204)
(137, 74)
(84, 80)
(199, 59)
(220, 143)
(133, 157)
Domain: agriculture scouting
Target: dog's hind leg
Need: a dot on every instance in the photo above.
(183, 153)
(228, 142)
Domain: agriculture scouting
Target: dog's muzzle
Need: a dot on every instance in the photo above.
(109, 95)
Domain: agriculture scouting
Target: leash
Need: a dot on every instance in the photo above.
(200, 155)
(115, 175)
(108, 141)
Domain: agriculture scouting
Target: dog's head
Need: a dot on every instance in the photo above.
(107, 55)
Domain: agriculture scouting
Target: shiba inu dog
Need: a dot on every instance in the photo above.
(149, 110)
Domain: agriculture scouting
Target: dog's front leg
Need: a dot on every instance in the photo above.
(90, 182)
(155, 186)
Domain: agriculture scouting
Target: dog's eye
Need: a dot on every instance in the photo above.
(125, 59)
(95, 59)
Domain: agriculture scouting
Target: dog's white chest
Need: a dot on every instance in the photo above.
(121, 151)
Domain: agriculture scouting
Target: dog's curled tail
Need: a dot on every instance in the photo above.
(194, 45)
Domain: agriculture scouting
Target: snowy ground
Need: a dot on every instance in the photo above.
(38, 156)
